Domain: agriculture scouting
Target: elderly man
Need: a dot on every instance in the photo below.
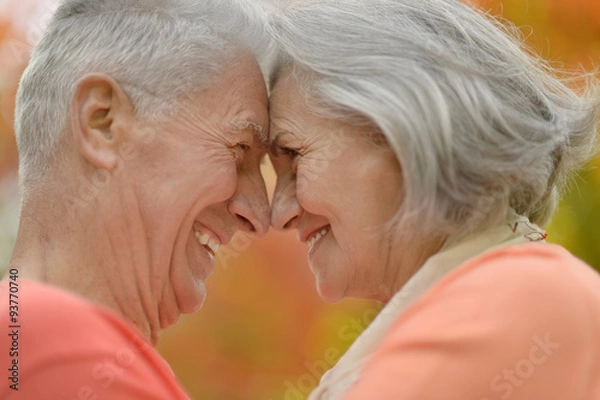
(141, 126)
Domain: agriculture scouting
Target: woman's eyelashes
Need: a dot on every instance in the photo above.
(288, 152)
(280, 148)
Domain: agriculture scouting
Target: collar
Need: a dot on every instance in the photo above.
(517, 229)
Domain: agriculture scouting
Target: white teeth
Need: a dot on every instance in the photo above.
(206, 240)
(203, 239)
(214, 245)
(318, 236)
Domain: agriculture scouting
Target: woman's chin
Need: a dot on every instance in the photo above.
(329, 284)
(329, 292)
(329, 268)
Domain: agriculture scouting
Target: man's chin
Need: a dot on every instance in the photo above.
(188, 299)
(193, 298)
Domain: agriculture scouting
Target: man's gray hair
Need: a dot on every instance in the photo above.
(160, 51)
(478, 122)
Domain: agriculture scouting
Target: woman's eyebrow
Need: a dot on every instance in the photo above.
(279, 134)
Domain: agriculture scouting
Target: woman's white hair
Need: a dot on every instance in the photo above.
(160, 51)
(479, 124)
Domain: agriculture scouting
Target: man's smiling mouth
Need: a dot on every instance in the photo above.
(209, 242)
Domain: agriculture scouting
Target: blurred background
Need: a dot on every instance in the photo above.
(263, 332)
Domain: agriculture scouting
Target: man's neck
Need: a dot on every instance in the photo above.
(59, 254)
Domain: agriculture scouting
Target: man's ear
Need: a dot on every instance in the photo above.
(99, 110)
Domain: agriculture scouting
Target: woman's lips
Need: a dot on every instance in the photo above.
(312, 240)
(314, 237)
(305, 234)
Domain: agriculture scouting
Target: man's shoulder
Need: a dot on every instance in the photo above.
(52, 319)
(42, 295)
(66, 345)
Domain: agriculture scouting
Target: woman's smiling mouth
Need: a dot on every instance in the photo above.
(316, 236)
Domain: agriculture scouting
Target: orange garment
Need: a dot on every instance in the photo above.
(70, 349)
(519, 323)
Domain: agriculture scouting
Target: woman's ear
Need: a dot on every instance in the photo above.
(99, 110)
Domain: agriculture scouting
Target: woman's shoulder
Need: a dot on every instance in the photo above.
(510, 316)
(530, 269)
(528, 287)
(520, 322)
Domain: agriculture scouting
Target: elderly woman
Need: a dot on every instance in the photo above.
(140, 125)
(418, 149)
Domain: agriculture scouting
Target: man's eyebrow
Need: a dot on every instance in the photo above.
(263, 138)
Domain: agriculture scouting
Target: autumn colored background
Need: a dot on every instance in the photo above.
(263, 332)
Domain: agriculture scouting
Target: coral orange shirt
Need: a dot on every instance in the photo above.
(56, 346)
(518, 323)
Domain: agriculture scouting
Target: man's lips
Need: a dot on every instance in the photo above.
(205, 240)
(208, 238)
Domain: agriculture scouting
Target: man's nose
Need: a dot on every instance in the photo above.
(285, 211)
(250, 204)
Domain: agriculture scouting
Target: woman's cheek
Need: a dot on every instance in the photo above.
(311, 191)
(305, 188)
(302, 186)
(309, 171)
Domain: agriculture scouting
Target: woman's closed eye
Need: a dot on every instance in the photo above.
(283, 151)
(288, 152)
